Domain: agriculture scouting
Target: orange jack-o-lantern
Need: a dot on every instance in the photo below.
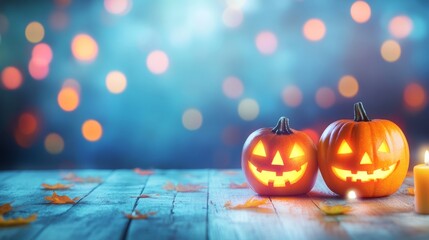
(279, 161)
(370, 157)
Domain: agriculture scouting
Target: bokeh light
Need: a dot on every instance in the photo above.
(157, 62)
(116, 82)
(84, 48)
(58, 20)
(248, 109)
(325, 97)
(192, 119)
(27, 123)
(68, 99)
(34, 32)
(400, 26)
(360, 11)
(42, 54)
(314, 30)
(232, 17)
(236, 3)
(54, 143)
(292, 96)
(415, 98)
(11, 78)
(266, 42)
(38, 70)
(232, 87)
(348, 86)
(118, 7)
(4, 23)
(92, 130)
(72, 83)
(390, 51)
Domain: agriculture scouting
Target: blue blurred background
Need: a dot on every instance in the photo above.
(181, 84)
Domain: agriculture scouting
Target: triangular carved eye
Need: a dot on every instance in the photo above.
(259, 149)
(344, 148)
(296, 151)
(384, 148)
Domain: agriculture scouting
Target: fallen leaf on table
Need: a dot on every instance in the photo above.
(238, 186)
(57, 199)
(250, 203)
(335, 209)
(188, 187)
(410, 191)
(142, 196)
(5, 208)
(74, 178)
(143, 172)
(169, 186)
(57, 186)
(230, 172)
(139, 215)
(17, 221)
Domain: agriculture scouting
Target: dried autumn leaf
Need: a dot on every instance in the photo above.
(169, 186)
(139, 215)
(17, 221)
(5, 208)
(57, 186)
(335, 209)
(143, 172)
(141, 196)
(230, 172)
(410, 191)
(250, 203)
(57, 199)
(74, 178)
(238, 186)
(188, 187)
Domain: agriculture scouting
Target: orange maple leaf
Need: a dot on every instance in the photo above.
(410, 191)
(143, 172)
(338, 209)
(141, 196)
(238, 186)
(57, 186)
(250, 203)
(17, 221)
(5, 208)
(139, 215)
(229, 172)
(169, 186)
(74, 178)
(57, 199)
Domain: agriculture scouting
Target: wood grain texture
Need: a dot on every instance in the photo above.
(197, 215)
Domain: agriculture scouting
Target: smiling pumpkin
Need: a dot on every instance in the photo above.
(279, 161)
(370, 157)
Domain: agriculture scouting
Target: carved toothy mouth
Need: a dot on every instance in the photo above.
(364, 176)
(270, 178)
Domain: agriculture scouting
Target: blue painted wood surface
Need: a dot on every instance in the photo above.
(196, 215)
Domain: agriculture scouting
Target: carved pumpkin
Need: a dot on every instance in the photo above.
(279, 161)
(370, 157)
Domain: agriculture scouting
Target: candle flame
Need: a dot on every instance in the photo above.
(427, 157)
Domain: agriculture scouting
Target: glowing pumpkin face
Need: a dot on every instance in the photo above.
(370, 157)
(279, 161)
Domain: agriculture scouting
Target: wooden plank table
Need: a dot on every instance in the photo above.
(196, 215)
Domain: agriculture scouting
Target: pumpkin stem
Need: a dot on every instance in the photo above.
(282, 127)
(360, 114)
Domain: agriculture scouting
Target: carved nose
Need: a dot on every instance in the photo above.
(277, 160)
(366, 159)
